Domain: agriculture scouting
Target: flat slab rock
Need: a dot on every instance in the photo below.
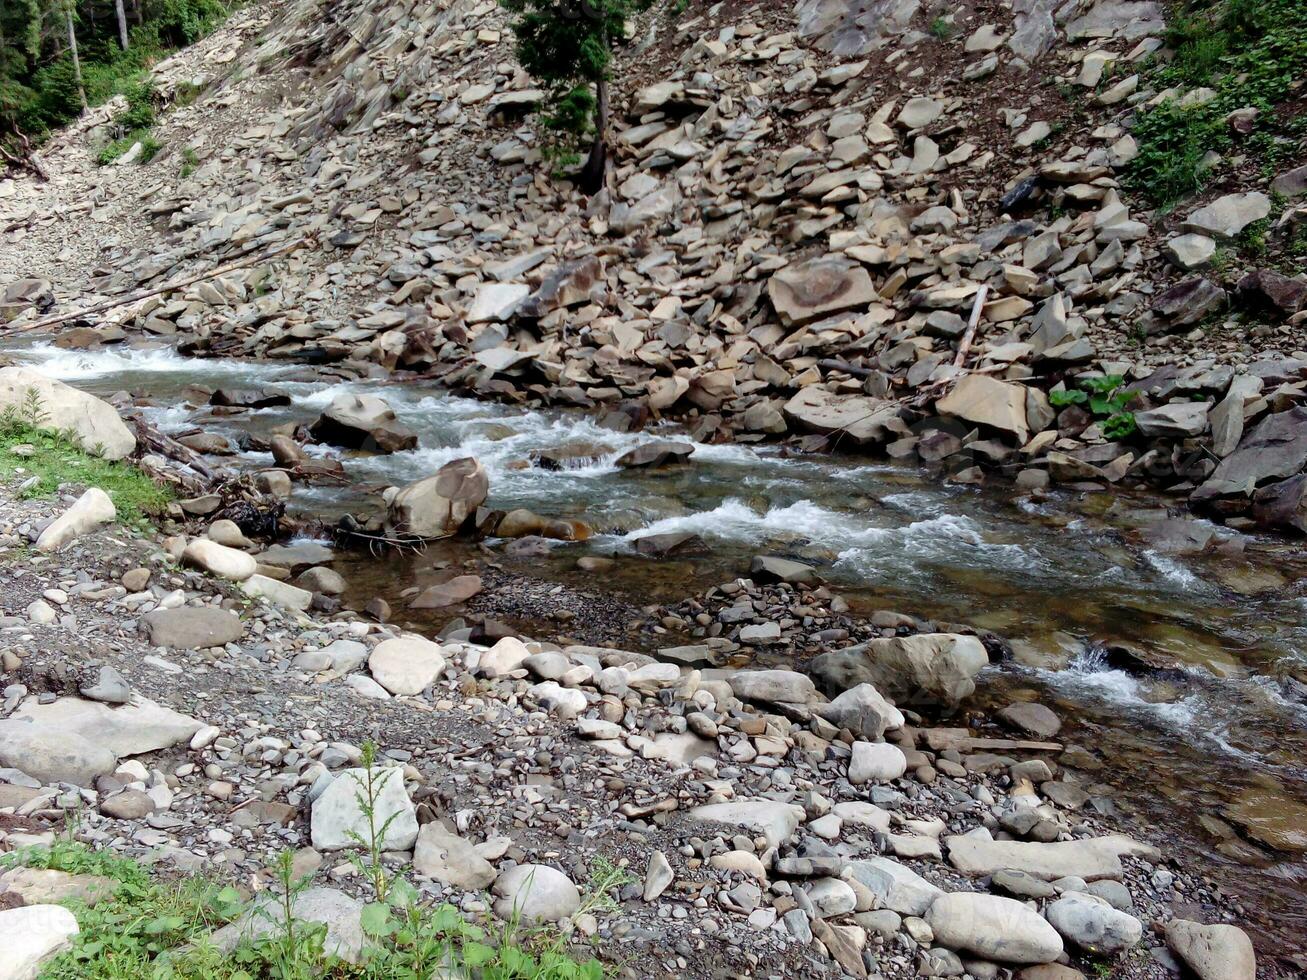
(1091, 859)
(32, 934)
(139, 726)
(192, 627)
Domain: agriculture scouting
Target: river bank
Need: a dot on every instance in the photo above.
(626, 606)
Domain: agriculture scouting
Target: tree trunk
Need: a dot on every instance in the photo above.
(77, 62)
(122, 23)
(596, 167)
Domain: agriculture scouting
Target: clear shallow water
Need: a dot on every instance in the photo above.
(1226, 737)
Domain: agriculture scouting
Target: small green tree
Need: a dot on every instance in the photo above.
(566, 46)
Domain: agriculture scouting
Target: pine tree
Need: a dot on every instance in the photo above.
(566, 46)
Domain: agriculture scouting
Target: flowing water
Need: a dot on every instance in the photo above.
(1213, 751)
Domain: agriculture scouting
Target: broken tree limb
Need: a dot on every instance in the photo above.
(223, 269)
(964, 348)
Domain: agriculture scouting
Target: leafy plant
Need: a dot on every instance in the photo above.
(1105, 400)
(942, 28)
(370, 786)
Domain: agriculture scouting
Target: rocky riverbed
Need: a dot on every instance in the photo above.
(194, 699)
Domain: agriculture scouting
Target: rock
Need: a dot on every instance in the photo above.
(804, 291)
(406, 664)
(40, 886)
(91, 509)
(1033, 719)
(323, 580)
(1090, 858)
(438, 506)
(571, 283)
(535, 893)
(192, 627)
(52, 755)
(448, 858)
(336, 812)
(506, 656)
(987, 401)
(1178, 420)
(775, 821)
(897, 886)
(277, 592)
(340, 913)
(1189, 301)
(130, 804)
(355, 421)
(1189, 252)
(1276, 448)
(94, 425)
(1291, 183)
(876, 762)
(928, 668)
(658, 877)
(497, 301)
(219, 560)
(457, 590)
(775, 686)
(136, 579)
(993, 928)
(1229, 215)
(1092, 924)
(32, 935)
(1282, 505)
(1266, 290)
(110, 687)
(661, 453)
(129, 729)
(1216, 952)
(858, 418)
(669, 543)
(919, 111)
(769, 568)
(863, 711)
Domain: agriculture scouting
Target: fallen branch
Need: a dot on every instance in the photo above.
(964, 348)
(28, 160)
(243, 263)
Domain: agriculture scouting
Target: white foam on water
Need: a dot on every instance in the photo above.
(168, 418)
(1172, 572)
(83, 365)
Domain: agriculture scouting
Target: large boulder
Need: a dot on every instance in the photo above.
(438, 506)
(448, 858)
(355, 421)
(895, 885)
(1275, 449)
(52, 755)
(1229, 215)
(936, 669)
(993, 928)
(406, 664)
(775, 821)
(987, 401)
(337, 819)
(774, 686)
(1091, 859)
(94, 425)
(1218, 952)
(805, 291)
(1092, 924)
(858, 418)
(218, 559)
(863, 711)
(31, 935)
(139, 726)
(340, 913)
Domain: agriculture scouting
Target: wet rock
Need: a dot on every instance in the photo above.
(1276, 448)
(1033, 719)
(670, 543)
(192, 627)
(928, 668)
(661, 453)
(769, 568)
(337, 816)
(457, 590)
(993, 928)
(1215, 952)
(323, 580)
(438, 506)
(93, 425)
(365, 422)
(535, 893)
(860, 419)
(1282, 505)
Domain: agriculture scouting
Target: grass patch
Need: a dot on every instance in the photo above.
(1250, 53)
(156, 927)
(50, 459)
(132, 126)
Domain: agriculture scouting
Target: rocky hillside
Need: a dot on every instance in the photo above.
(809, 206)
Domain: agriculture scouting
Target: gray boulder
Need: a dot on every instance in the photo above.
(863, 711)
(993, 928)
(336, 816)
(1092, 924)
(362, 422)
(928, 668)
(1216, 952)
(94, 425)
(192, 627)
(535, 893)
(438, 506)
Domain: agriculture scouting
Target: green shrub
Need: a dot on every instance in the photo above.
(1106, 402)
